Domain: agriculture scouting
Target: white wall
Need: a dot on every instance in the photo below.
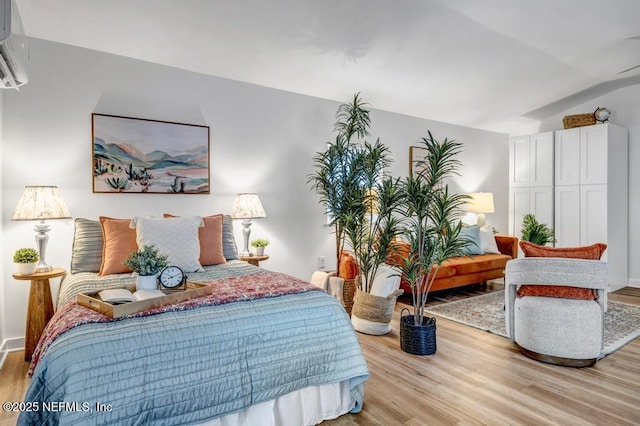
(262, 140)
(625, 109)
(3, 253)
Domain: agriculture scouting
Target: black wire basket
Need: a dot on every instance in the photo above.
(417, 339)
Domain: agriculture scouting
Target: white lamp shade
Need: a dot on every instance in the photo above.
(481, 202)
(247, 206)
(41, 203)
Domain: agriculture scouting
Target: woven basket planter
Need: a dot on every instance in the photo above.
(348, 293)
(372, 314)
(417, 339)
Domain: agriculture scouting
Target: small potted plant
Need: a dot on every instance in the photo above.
(536, 232)
(259, 244)
(147, 262)
(26, 259)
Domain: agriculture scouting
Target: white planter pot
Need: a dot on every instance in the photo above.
(27, 268)
(259, 251)
(147, 282)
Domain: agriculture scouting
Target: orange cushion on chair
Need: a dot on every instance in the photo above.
(592, 252)
(119, 241)
(559, 291)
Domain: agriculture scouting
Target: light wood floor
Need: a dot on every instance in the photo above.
(475, 377)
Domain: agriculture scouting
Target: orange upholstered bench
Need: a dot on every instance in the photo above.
(465, 270)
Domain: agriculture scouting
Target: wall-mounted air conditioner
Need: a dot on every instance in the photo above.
(14, 52)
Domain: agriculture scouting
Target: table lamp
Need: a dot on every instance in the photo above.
(247, 206)
(481, 203)
(41, 203)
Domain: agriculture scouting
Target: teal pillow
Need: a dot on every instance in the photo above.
(472, 236)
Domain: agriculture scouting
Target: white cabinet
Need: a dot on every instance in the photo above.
(530, 179)
(591, 193)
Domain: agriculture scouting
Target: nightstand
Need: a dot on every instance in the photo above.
(255, 259)
(40, 308)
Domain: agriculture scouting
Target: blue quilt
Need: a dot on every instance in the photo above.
(186, 367)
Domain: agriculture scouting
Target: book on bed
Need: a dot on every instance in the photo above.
(122, 295)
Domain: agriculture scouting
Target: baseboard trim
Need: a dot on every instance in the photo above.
(634, 282)
(10, 345)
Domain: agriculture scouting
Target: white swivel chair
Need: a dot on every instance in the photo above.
(562, 331)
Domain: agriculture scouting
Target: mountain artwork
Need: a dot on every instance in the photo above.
(148, 156)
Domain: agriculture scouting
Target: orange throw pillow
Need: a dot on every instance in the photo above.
(560, 291)
(119, 241)
(348, 268)
(592, 252)
(210, 235)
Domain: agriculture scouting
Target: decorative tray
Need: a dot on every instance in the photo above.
(92, 301)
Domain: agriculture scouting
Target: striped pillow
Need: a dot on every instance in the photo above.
(86, 252)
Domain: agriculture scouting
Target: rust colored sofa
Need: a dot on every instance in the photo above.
(465, 270)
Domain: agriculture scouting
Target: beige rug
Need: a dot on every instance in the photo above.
(621, 321)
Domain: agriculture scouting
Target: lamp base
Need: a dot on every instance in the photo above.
(41, 241)
(44, 267)
(246, 231)
(481, 220)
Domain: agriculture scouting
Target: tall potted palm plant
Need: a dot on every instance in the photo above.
(338, 169)
(431, 226)
(350, 179)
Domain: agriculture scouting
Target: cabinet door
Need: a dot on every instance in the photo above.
(541, 204)
(542, 159)
(519, 162)
(519, 200)
(567, 157)
(593, 214)
(567, 216)
(593, 155)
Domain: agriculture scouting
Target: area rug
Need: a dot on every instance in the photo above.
(621, 321)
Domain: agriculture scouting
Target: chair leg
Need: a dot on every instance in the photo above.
(564, 362)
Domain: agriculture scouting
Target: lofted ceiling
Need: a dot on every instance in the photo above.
(491, 64)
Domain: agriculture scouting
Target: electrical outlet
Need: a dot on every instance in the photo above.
(321, 262)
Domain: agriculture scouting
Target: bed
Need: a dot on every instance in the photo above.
(264, 348)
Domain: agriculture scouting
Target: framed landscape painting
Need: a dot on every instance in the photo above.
(137, 155)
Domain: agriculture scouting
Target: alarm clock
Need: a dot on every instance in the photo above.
(172, 279)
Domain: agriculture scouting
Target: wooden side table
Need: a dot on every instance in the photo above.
(255, 259)
(40, 308)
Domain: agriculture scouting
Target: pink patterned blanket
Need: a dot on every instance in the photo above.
(226, 290)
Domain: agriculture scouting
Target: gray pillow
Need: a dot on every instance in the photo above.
(228, 240)
(86, 253)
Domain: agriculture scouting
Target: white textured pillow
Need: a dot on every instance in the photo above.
(488, 241)
(386, 281)
(176, 237)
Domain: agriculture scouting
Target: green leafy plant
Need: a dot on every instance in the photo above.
(359, 198)
(430, 221)
(535, 232)
(259, 242)
(25, 255)
(147, 260)
(117, 183)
